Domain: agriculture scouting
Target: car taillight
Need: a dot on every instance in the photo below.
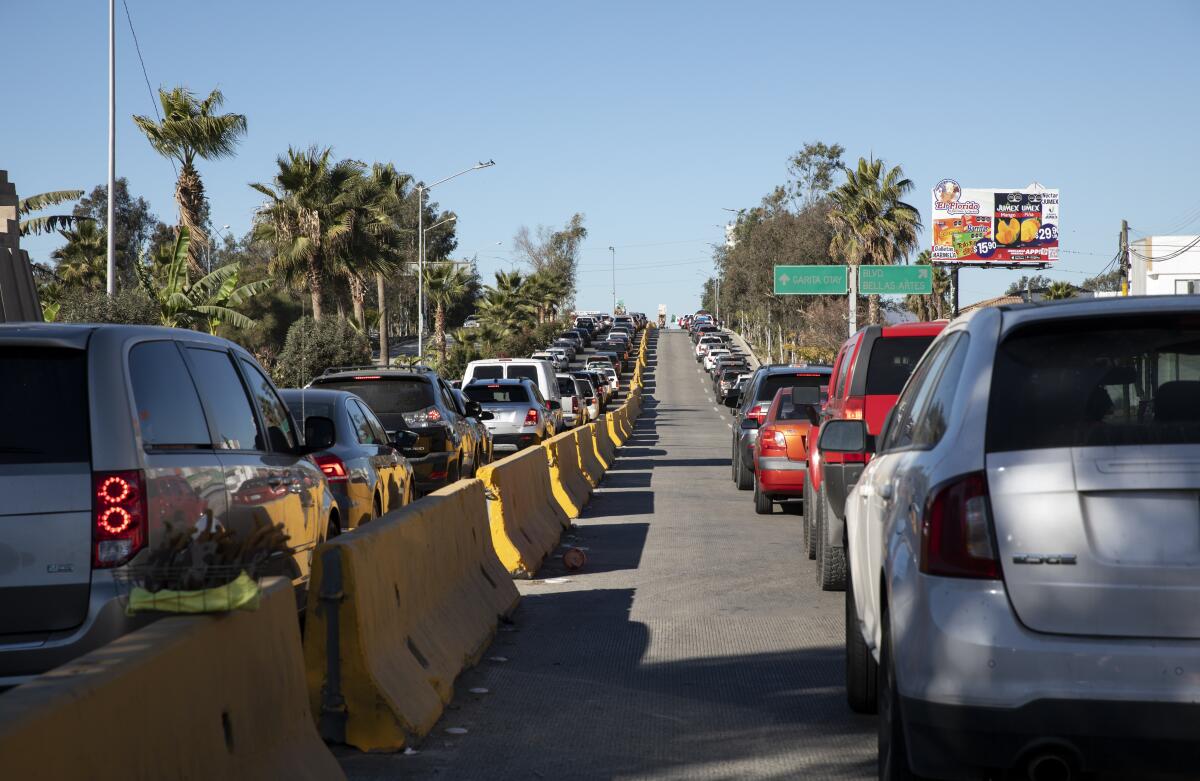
(575, 404)
(956, 532)
(423, 417)
(333, 468)
(531, 417)
(759, 411)
(854, 409)
(772, 442)
(118, 517)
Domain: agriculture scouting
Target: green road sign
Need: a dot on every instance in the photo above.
(811, 280)
(895, 280)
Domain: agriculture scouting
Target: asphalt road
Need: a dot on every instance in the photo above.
(694, 644)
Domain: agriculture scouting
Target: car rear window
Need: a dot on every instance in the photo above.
(523, 373)
(388, 395)
(566, 386)
(497, 394)
(773, 382)
(795, 406)
(488, 372)
(44, 393)
(1090, 382)
(892, 361)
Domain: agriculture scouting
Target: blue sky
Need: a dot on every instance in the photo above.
(648, 117)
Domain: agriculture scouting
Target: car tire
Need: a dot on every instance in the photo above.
(862, 671)
(810, 513)
(893, 749)
(831, 560)
(762, 503)
(743, 475)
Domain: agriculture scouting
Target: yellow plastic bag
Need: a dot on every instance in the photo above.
(242, 593)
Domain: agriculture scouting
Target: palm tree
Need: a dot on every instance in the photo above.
(872, 224)
(305, 219)
(369, 246)
(506, 307)
(445, 283)
(191, 128)
(1057, 291)
(206, 303)
(33, 226)
(936, 305)
(83, 261)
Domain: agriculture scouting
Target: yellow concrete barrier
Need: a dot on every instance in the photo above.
(568, 484)
(396, 610)
(612, 428)
(200, 697)
(589, 461)
(606, 450)
(526, 521)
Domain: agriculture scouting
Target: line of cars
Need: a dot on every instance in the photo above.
(1011, 502)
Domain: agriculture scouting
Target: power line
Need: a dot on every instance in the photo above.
(146, 76)
(1170, 255)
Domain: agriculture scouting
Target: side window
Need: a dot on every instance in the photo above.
(168, 406)
(911, 399)
(274, 412)
(362, 429)
(377, 429)
(448, 397)
(843, 370)
(225, 399)
(933, 416)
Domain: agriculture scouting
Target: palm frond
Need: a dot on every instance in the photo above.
(41, 201)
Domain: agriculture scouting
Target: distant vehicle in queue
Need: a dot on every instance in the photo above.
(520, 415)
(783, 442)
(540, 373)
(363, 464)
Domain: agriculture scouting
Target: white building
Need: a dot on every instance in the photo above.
(1164, 265)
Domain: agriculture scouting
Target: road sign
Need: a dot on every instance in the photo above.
(895, 280)
(811, 280)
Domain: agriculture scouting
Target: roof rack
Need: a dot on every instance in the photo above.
(376, 367)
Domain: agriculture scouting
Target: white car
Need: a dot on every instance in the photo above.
(556, 356)
(706, 343)
(1024, 546)
(710, 358)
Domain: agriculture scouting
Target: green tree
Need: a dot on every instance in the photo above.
(1059, 290)
(191, 129)
(33, 226)
(812, 170)
(305, 219)
(138, 231)
(313, 346)
(1106, 283)
(505, 306)
(83, 260)
(1027, 284)
(444, 284)
(872, 223)
(555, 252)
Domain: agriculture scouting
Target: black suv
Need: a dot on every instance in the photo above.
(418, 400)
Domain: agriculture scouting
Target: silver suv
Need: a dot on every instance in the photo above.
(111, 432)
(521, 416)
(1024, 546)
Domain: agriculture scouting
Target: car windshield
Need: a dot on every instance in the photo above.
(387, 395)
(45, 393)
(1088, 383)
(892, 361)
(773, 382)
(497, 394)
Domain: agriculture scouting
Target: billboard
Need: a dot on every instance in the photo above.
(994, 226)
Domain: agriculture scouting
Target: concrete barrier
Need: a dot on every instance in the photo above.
(570, 487)
(396, 610)
(526, 521)
(196, 697)
(589, 461)
(606, 452)
(614, 430)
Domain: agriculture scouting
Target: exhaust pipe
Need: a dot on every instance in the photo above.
(1049, 766)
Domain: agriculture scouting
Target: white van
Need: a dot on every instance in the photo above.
(540, 372)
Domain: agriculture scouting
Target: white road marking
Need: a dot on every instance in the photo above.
(716, 408)
(729, 424)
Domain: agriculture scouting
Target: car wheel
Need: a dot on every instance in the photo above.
(831, 560)
(333, 527)
(744, 476)
(893, 750)
(810, 512)
(762, 503)
(376, 507)
(862, 671)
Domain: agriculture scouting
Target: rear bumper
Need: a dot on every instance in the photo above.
(781, 476)
(432, 471)
(514, 441)
(24, 657)
(951, 741)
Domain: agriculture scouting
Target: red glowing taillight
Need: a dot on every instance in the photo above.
(333, 468)
(531, 417)
(853, 409)
(956, 531)
(118, 517)
(772, 442)
(759, 411)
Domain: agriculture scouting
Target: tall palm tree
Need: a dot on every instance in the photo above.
(305, 218)
(393, 190)
(505, 307)
(872, 223)
(33, 226)
(191, 128)
(445, 283)
(83, 260)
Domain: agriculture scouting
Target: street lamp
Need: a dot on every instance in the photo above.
(421, 190)
(613, 250)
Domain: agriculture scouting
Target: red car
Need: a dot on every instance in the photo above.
(871, 369)
(781, 453)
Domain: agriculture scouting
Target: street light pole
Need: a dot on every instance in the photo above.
(613, 250)
(421, 190)
(112, 149)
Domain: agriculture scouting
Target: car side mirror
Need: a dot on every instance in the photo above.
(319, 433)
(812, 413)
(485, 415)
(749, 423)
(473, 409)
(844, 436)
(404, 440)
(730, 400)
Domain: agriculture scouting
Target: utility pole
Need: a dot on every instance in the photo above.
(613, 250)
(953, 292)
(1124, 250)
(384, 357)
(852, 278)
(112, 149)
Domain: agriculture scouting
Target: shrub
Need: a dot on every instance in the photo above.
(311, 347)
(130, 306)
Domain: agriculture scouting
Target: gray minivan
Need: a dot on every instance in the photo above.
(111, 432)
